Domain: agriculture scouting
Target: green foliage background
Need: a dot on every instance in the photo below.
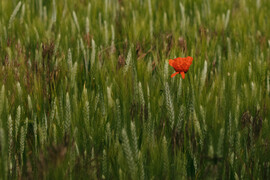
(86, 90)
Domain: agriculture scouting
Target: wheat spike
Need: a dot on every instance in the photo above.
(149, 107)
(3, 157)
(43, 129)
(118, 118)
(181, 117)
(142, 101)
(110, 96)
(84, 55)
(22, 141)
(14, 13)
(10, 141)
(129, 155)
(26, 125)
(169, 105)
(227, 18)
(87, 25)
(69, 60)
(76, 21)
(86, 114)
(67, 121)
(150, 122)
(204, 73)
(17, 121)
(113, 35)
(22, 14)
(93, 53)
(97, 99)
(108, 134)
(30, 106)
(53, 110)
(134, 142)
(128, 61)
(54, 13)
(19, 89)
(73, 75)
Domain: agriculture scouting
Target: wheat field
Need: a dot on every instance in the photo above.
(86, 92)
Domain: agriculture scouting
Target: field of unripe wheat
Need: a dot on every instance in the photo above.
(86, 89)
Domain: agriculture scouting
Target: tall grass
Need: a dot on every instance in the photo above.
(86, 89)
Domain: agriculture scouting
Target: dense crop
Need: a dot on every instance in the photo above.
(86, 92)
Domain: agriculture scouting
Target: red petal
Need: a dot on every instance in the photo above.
(171, 62)
(174, 74)
(183, 75)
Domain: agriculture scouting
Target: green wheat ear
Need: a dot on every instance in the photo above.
(169, 105)
(128, 61)
(4, 154)
(29, 102)
(129, 155)
(76, 21)
(10, 141)
(67, 121)
(134, 142)
(17, 121)
(86, 114)
(118, 118)
(14, 13)
(22, 141)
(93, 53)
(141, 96)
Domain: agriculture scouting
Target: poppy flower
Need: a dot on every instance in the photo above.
(181, 65)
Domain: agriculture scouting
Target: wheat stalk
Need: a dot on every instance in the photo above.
(141, 166)
(164, 157)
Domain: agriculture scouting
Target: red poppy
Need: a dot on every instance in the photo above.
(181, 65)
